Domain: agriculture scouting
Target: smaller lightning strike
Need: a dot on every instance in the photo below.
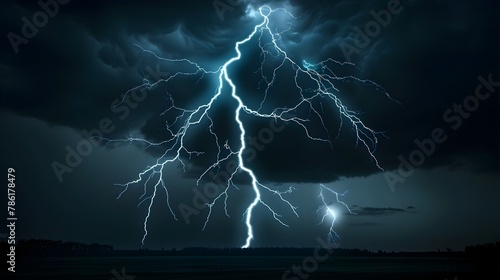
(329, 212)
(272, 49)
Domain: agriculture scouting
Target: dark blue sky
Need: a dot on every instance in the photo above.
(440, 61)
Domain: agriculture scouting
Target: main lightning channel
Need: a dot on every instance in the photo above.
(321, 74)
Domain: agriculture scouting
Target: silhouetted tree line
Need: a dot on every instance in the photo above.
(46, 247)
(488, 249)
(42, 247)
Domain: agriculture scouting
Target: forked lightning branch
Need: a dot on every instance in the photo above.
(312, 100)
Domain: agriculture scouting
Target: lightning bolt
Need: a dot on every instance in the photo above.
(271, 50)
(329, 211)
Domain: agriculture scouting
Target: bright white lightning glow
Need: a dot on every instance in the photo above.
(332, 212)
(320, 74)
(329, 211)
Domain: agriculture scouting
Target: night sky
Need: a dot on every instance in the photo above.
(437, 60)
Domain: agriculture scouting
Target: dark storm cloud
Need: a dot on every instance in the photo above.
(365, 224)
(84, 57)
(427, 58)
(382, 211)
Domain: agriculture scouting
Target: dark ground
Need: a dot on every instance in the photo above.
(251, 267)
(56, 260)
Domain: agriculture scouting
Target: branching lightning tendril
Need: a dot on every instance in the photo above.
(320, 74)
(328, 210)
